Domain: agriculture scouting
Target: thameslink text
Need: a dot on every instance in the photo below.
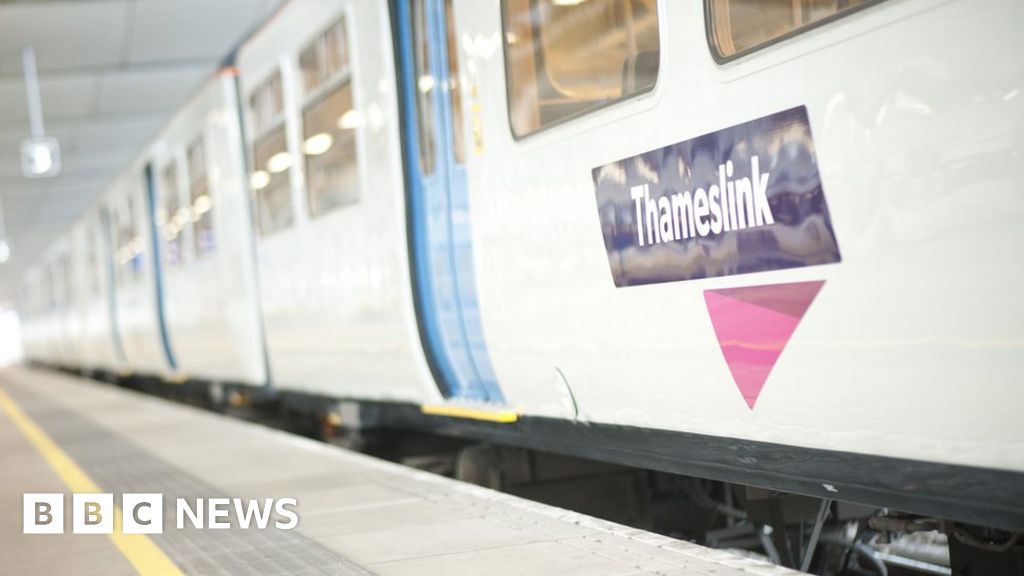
(728, 205)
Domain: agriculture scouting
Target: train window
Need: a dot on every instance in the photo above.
(129, 243)
(68, 272)
(332, 175)
(329, 122)
(51, 288)
(325, 58)
(458, 136)
(269, 180)
(64, 290)
(201, 204)
(267, 104)
(172, 217)
(425, 85)
(740, 26)
(92, 260)
(567, 58)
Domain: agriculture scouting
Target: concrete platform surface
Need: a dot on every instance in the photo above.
(356, 514)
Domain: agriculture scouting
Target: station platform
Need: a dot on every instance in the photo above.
(356, 514)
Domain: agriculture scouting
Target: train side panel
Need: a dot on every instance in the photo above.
(906, 348)
(94, 299)
(135, 289)
(205, 241)
(332, 262)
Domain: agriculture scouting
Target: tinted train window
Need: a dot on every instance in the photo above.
(129, 242)
(65, 293)
(451, 47)
(203, 234)
(171, 218)
(271, 160)
(739, 26)
(329, 122)
(326, 57)
(424, 86)
(267, 104)
(270, 183)
(92, 277)
(566, 58)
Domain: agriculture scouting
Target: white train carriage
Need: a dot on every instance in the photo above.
(99, 344)
(63, 316)
(32, 307)
(861, 135)
(724, 235)
(183, 290)
(326, 177)
(201, 214)
(139, 319)
(711, 238)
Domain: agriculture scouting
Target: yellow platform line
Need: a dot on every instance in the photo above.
(143, 554)
(500, 416)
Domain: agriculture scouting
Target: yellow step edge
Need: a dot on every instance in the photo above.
(178, 378)
(500, 416)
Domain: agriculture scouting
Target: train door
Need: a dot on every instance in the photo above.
(438, 203)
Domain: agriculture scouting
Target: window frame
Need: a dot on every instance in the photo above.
(256, 137)
(173, 163)
(586, 113)
(321, 94)
(720, 59)
(124, 203)
(198, 137)
(311, 98)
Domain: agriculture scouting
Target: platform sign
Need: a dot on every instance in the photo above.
(40, 157)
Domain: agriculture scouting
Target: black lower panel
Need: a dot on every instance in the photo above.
(974, 495)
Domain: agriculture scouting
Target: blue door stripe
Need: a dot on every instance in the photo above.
(158, 276)
(440, 245)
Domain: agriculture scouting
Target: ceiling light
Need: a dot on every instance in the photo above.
(317, 144)
(201, 205)
(350, 120)
(279, 162)
(259, 180)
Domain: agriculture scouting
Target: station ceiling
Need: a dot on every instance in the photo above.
(111, 72)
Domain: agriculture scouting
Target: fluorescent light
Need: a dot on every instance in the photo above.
(279, 162)
(182, 216)
(350, 120)
(259, 180)
(317, 144)
(5, 251)
(201, 205)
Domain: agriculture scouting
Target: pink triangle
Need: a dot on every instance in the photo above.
(753, 325)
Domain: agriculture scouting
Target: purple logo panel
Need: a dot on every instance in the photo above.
(740, 200)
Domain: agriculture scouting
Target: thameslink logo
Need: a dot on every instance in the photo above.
(728, 205)
(144, 513)
(747, 198)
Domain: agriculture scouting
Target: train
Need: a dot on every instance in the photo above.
(766, 243)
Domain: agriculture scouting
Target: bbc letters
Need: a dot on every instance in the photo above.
(144, 513)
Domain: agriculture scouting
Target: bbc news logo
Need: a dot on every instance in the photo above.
(144, 513)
